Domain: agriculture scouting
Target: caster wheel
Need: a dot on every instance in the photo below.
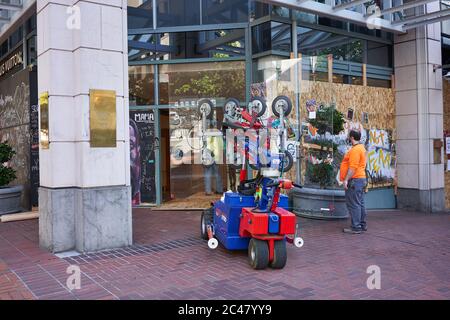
(298, 242)
(279, 255)
(206, 219)
(213, 243)
(258, 254)
(282, 104)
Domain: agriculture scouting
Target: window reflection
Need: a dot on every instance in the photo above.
(271, 36)
(141, 83)
(224, 11)
(178, 13)
(218, 80)
(140, 14)
(187, 45)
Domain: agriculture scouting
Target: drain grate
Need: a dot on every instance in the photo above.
(137, 250)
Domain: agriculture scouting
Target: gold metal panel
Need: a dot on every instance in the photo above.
(103, 123)
(44, 133)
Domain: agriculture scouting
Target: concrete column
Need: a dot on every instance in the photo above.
(85, 198)
(419, 117)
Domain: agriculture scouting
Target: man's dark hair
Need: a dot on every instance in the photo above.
(355, 135)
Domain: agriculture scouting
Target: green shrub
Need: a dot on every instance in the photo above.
(7, 174)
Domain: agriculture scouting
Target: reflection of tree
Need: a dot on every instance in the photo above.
(141, 90)
(220, 83)
(348, 52)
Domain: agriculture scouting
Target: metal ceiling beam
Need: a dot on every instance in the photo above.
(9, 6)
(326, 10)
(421, 17)
(425, 22)
(405, 6)
(349, 4)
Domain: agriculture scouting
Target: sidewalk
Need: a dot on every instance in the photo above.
(169, 261)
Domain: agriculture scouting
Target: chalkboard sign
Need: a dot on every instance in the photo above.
(142, 150)
(34, 139)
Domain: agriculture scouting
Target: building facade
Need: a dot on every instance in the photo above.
(159, 58)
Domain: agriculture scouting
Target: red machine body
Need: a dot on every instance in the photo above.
(256, 225)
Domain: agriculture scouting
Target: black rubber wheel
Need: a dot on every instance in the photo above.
(208, 106)
(285, 103)
(258, 254)
(262, 106)
(206, 219)
(279, 255)
(231, 107)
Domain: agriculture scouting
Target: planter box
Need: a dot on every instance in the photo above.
(10, 200)
(319, 203)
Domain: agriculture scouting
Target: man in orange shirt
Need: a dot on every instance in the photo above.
(353, 175)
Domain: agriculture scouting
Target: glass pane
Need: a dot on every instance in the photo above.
(219, 81)
(320, 43)
(201, 44)
(189, 182)
(258, 10)
(224, 11)
(142, 92)
(271, 36)
(178, 12)
(142, 47)
(379, 54)
(140, 14)
(31, 51)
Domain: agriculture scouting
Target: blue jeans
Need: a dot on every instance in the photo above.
(210, 172)
(354, 198)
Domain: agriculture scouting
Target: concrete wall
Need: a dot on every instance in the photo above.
(85, 192)
(419, 118)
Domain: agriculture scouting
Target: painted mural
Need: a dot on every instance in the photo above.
(15, 126)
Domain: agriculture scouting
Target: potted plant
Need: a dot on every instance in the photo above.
(321, 197)
(10, 196)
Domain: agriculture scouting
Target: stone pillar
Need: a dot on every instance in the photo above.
(419, 117)
(85, 197)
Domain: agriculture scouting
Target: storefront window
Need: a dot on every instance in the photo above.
(224, 11)
(172, 13)
(140, 14)
(214, 80)
(327, 112)
(186, 180)
(141, 85)
(320, 43)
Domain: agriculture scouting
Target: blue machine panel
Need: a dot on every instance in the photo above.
(227, 215)
(274, 223)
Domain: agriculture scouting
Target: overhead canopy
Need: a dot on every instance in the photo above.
(395, 16)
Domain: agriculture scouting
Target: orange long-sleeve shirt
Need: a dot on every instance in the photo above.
(355, 159)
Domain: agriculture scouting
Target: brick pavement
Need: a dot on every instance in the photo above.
(169, 261)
